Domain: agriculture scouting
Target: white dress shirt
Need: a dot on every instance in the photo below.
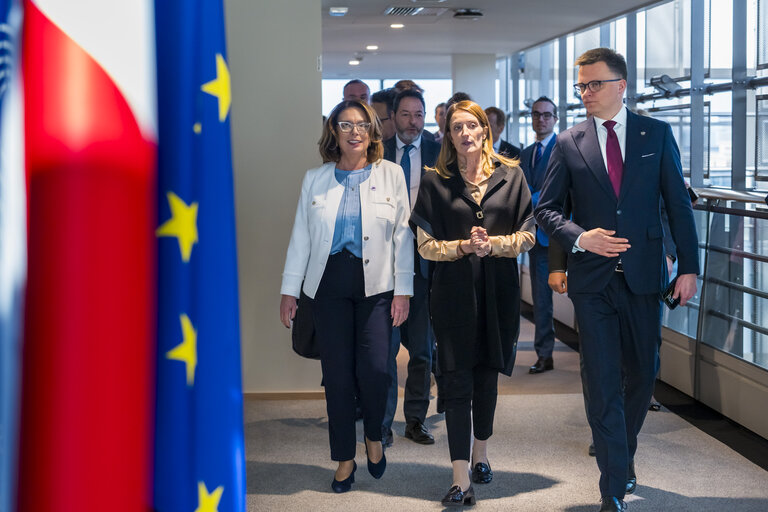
(415, 154)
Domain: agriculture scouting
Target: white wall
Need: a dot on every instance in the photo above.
(276, 122)
(476, 75)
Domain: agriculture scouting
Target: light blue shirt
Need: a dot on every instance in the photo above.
(348, 231)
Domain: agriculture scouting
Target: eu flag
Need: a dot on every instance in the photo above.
(199, 450)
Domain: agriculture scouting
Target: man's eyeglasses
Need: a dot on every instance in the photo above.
(542, 115)
(346, 126)
(593, 86)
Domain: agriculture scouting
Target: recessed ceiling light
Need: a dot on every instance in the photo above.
(397, 25)
(372, 47)
(354, 62)
(338, 11)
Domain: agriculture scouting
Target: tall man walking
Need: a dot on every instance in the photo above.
(533, 161)
(615, 166)
(413, 152)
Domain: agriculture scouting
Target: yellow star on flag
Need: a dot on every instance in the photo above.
(186, 351)
(182, 224)
(220, 87)
(208, 502)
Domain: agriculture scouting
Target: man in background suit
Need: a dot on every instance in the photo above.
(533, 161)
(412, 151)
(383, 102)
(615, 167)
(440, 120)
(497, 120)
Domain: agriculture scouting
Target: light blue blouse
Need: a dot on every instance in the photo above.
(348, 231)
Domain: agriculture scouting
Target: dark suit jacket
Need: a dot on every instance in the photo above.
(429, 151)
(508, 150)
(535, 178)
(652, 171)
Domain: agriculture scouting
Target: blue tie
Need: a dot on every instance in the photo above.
(405, 163)
(537, 157)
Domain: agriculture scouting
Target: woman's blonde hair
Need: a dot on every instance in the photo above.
(329, 141)
(448, 155)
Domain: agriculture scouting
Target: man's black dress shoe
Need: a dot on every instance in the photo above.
(612, 504)
(386, 437)
(346, 484)
(542, 365)
(481, 473)
(631, 478)
(591, 450)
(458, 498)
(418, 433)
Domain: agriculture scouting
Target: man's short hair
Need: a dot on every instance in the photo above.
(547, 100)
(354, 81)
(409, 93)
(614, 60)
(501, 117)
(387, 97)
(439, 105)
(403, 85)
(457, 97)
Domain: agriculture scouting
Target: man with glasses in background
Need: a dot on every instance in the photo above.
(533, 161)
(614, 168)
(383, 102)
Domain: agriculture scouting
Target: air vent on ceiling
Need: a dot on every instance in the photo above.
(414, 11)
(468, 14)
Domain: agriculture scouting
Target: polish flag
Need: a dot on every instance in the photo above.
(91, 147)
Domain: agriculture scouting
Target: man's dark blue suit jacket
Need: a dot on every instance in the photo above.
(535, 178)
(651, 170)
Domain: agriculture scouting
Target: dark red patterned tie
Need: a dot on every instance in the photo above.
(613, 156)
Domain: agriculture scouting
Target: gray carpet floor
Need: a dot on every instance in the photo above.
(538, 453)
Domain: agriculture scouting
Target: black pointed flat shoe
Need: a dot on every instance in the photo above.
(481, 473)
(458, 498)
(346, 484)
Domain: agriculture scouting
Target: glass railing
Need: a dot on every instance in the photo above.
(730, 310)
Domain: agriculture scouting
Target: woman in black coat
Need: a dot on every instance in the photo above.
(473, 218)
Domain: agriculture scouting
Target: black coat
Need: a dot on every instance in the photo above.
(479, 327)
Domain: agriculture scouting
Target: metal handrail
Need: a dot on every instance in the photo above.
(731, 195)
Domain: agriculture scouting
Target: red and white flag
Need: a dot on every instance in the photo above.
(91, 143)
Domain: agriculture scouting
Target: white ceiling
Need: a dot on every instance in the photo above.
(424, 47)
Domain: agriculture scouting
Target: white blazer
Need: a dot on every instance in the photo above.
(387, 239)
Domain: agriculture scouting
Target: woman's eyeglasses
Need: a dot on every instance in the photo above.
(346, 126)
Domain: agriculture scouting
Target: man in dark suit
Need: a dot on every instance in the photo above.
(412, 151)
(615, 167)
(533, 161)
(497, 119)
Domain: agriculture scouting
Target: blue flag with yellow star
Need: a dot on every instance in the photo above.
(199, 450)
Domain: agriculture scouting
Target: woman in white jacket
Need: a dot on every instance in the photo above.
(353, 250)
